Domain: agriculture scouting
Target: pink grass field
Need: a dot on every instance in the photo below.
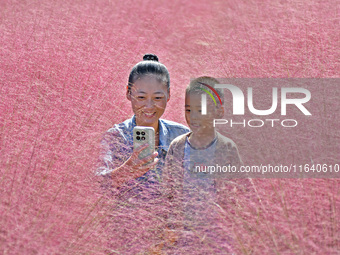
(64, 66)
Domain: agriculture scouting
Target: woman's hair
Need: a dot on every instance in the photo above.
(206, 82)
(149, 66)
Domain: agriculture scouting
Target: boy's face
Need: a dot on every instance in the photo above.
(193, 115)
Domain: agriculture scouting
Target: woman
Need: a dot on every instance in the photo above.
(148, 91)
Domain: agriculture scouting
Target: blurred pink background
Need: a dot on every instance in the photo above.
(64, 66)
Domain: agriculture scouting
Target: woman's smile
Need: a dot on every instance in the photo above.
(149, 114)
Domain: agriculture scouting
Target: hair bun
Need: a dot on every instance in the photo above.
(150, 57)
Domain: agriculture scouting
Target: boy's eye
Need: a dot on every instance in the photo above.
(158, 98)
(187, 110)
(140, 97)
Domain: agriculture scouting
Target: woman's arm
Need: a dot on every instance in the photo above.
(172, 186)
(119, 163)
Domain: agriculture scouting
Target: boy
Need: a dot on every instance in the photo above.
(193, 194)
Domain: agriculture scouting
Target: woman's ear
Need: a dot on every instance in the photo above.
(168, 95)
(128, 93)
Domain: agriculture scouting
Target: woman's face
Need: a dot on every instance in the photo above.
(148, 98)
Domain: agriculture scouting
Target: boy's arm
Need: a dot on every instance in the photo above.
(227, 186)
(234, 156)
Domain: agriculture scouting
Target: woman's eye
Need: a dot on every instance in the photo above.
(187, 110)
(159, 97)
(140, 97)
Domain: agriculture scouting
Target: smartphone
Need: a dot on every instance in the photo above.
(143, 135)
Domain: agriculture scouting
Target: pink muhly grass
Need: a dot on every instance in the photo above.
(63, 71)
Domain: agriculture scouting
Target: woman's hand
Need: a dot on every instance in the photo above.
(169, 238)
(138, 167)
(134, 167)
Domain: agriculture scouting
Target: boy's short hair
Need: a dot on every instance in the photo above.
(204, 82)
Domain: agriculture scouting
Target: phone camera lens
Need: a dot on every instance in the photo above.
(138, 138)
(138, 133)
(143, 133)
(143, 137)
